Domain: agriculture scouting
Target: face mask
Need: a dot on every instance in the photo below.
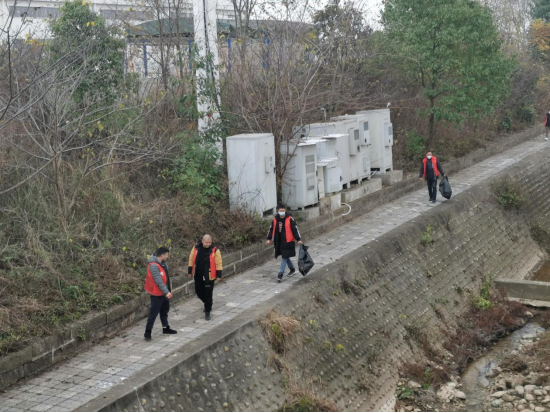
(282, 214)
(429, 157)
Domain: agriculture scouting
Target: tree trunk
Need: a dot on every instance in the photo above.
(59, 193)
(431, 126)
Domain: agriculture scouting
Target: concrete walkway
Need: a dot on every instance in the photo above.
(93, 372)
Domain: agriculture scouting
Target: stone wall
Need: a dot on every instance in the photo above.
(46, 352)
(357, 314)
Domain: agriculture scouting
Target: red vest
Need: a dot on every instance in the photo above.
(288, 230)
(212, 274)
(150, 285)
(434, 164)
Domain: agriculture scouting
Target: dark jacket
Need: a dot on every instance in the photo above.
(202, 265)
(430, 169)
(283, 248)
(547, 119)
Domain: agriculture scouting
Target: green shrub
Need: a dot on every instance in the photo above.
(427, 238)
(507, 193)
(197, 171)
(416, 145)
(505, 124)
(526, 114)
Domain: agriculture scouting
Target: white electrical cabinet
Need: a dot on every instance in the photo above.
(344, 131)
(359, 146)
(251, 172)
(327, 165)
(299, 184)
(381, 138)
(362, 126)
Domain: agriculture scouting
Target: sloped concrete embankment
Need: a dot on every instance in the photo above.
(356, 314)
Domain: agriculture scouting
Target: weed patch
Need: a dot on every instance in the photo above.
(427, 237)
(305, 402)
(279, 329)
(507, 193)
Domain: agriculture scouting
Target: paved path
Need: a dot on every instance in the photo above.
(93, 372)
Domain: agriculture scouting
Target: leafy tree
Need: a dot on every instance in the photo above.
(541, 10)
(341, 25)
(452, 49)
(540, 39)
(101, 48)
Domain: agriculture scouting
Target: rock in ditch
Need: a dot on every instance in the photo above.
(460, 395)
(529, 397)
(537, 392)
(520, 390)
(414, 385)
(508, 398)
(540, 409)
(497, 402)
(445, 393)
(498, 394)
(530, 388)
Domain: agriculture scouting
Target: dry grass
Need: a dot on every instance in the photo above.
(514, 364)
(426, 375)
(537, 356)
(279, 329)
(479, 328)
(303, 401)
(299, 394)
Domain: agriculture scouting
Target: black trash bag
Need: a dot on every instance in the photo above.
(445, 188)
(305, 263)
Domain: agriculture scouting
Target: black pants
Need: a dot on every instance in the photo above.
(204, 290)
(432, 188)
(159, 304)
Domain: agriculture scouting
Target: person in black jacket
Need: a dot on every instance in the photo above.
(283, 232)
(430, 170)
(205, 265)
(547, 122)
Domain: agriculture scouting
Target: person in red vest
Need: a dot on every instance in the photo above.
(205, 265)
(283, 232)
(547, 122)
(430, 170)
(157, 284)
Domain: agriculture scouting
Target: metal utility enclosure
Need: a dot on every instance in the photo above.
(381, 135)
(299, 185)
(359, 147)
(328, 170)
(343, 143)
(251, 172)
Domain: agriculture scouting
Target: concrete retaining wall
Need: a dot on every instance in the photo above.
(525, 289)
(356, 314)
(51, 350)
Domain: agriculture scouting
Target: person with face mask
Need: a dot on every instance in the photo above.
(430, 170)
(283, 232)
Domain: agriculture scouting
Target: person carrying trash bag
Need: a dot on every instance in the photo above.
(430, 170)
(283, 232)
(305, 262)
(445, 188)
